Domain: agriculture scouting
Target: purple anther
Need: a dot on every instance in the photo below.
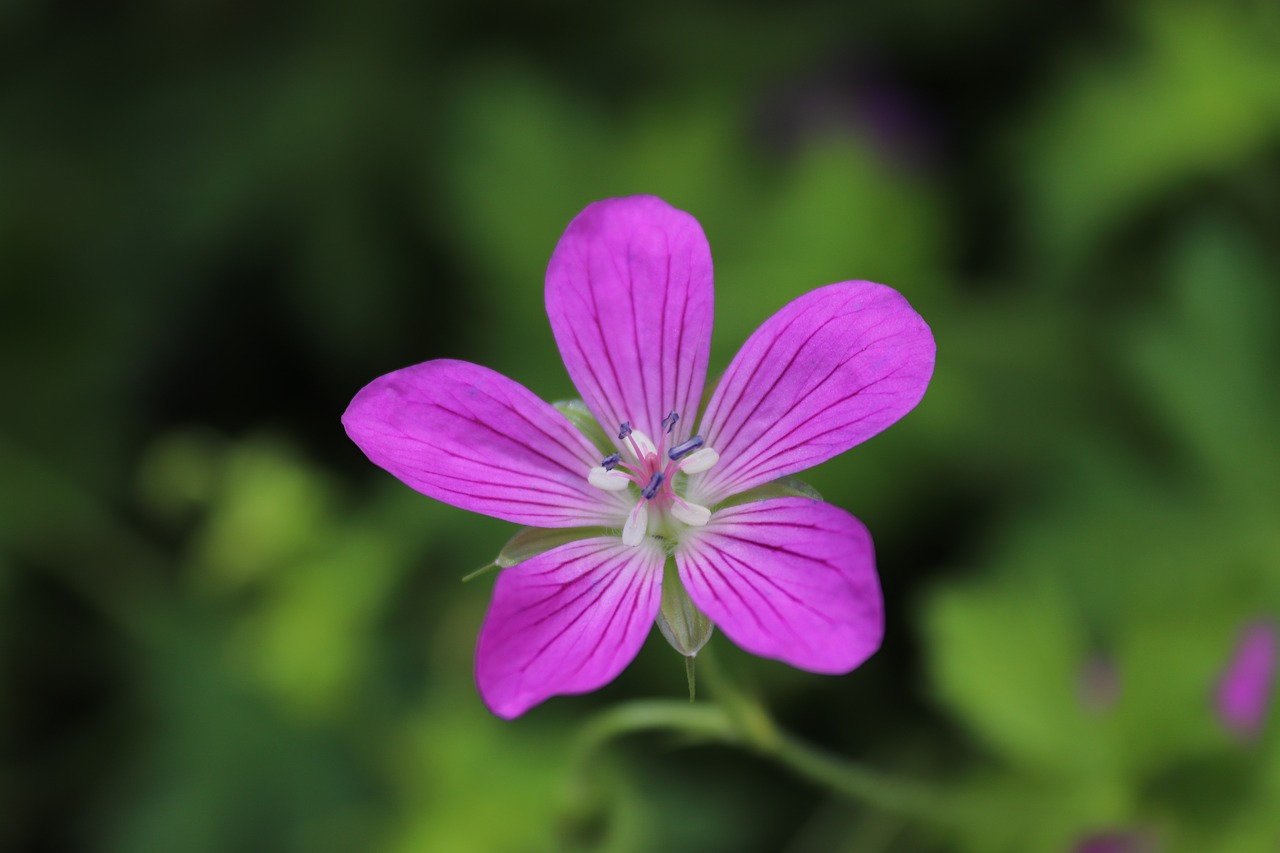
(655, 483)
(669, 422)
(610, 462)
(624, 430)
(685, 448)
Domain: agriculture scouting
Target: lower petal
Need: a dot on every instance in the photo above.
(792, 579)
(566, 621)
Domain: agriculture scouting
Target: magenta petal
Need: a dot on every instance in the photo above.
(475, 439)
(828, 371)
(629, 296)
(566, 621)
(1244, 691)
(791, 578)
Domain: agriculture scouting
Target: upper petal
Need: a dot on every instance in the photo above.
(828, 371)
(471, 437)
(791, 578)
(629, 296)
(566, 621)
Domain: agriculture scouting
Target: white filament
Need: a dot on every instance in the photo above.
(637, 525)
(691, 514)
(610, 481)
(699, 460)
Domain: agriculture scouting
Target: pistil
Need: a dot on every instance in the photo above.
(652, 471)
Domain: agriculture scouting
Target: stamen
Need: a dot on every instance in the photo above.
(610, 481)
(685, 448)
(655, 483)
(624, 430)
(641, 445)
(637, 525)
(669, 422)
(698, 461)
(694, 515)
(610, 462)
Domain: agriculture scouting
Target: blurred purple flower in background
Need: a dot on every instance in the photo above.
(1099, 687)
(856, 98)
(1244, 690)
(629, 296)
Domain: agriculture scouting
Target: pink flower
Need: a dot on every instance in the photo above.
(629, 296)
(1244, 690)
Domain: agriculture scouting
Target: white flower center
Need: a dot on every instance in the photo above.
(653, 472)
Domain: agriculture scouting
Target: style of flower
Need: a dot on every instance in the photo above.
(629, 297)
(1244, 690)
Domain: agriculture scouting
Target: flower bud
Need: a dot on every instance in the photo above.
(683, 624)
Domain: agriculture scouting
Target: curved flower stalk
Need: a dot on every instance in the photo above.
(629, 296)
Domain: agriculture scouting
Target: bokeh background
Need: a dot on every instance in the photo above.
(222, 629)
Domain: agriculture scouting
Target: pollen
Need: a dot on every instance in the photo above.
(652, 468)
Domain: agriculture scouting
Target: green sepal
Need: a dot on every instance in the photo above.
(532, 541)
(483, 570)
(783, 487)
(529, 542)
(686, 628)
(580, 416)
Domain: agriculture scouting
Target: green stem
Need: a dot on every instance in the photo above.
(707, 722)
(894, 796)
(738, 719)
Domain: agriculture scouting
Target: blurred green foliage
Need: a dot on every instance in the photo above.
(222, 629)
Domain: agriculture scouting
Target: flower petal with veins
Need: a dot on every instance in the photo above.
(789, 578)
(471, 437)
(629, 297)
(828, 371)
(566, 621)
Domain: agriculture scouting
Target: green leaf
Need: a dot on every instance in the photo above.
(1007, 659)
(1195, 96)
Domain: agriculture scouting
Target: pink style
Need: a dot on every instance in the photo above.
(629, 296)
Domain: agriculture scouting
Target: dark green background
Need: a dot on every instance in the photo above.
(222, 629)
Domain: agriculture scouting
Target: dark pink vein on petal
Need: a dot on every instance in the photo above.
(599, 579)
(778, 549)
(606, 411)
(604, 341)
(635, 343)
(810, 391)
(745, 470)
(727, 576)
(729, 382)
(744, 567)
(704, 568)
(743, 421)
(661, 355)
(575, 451)
(617, 605)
